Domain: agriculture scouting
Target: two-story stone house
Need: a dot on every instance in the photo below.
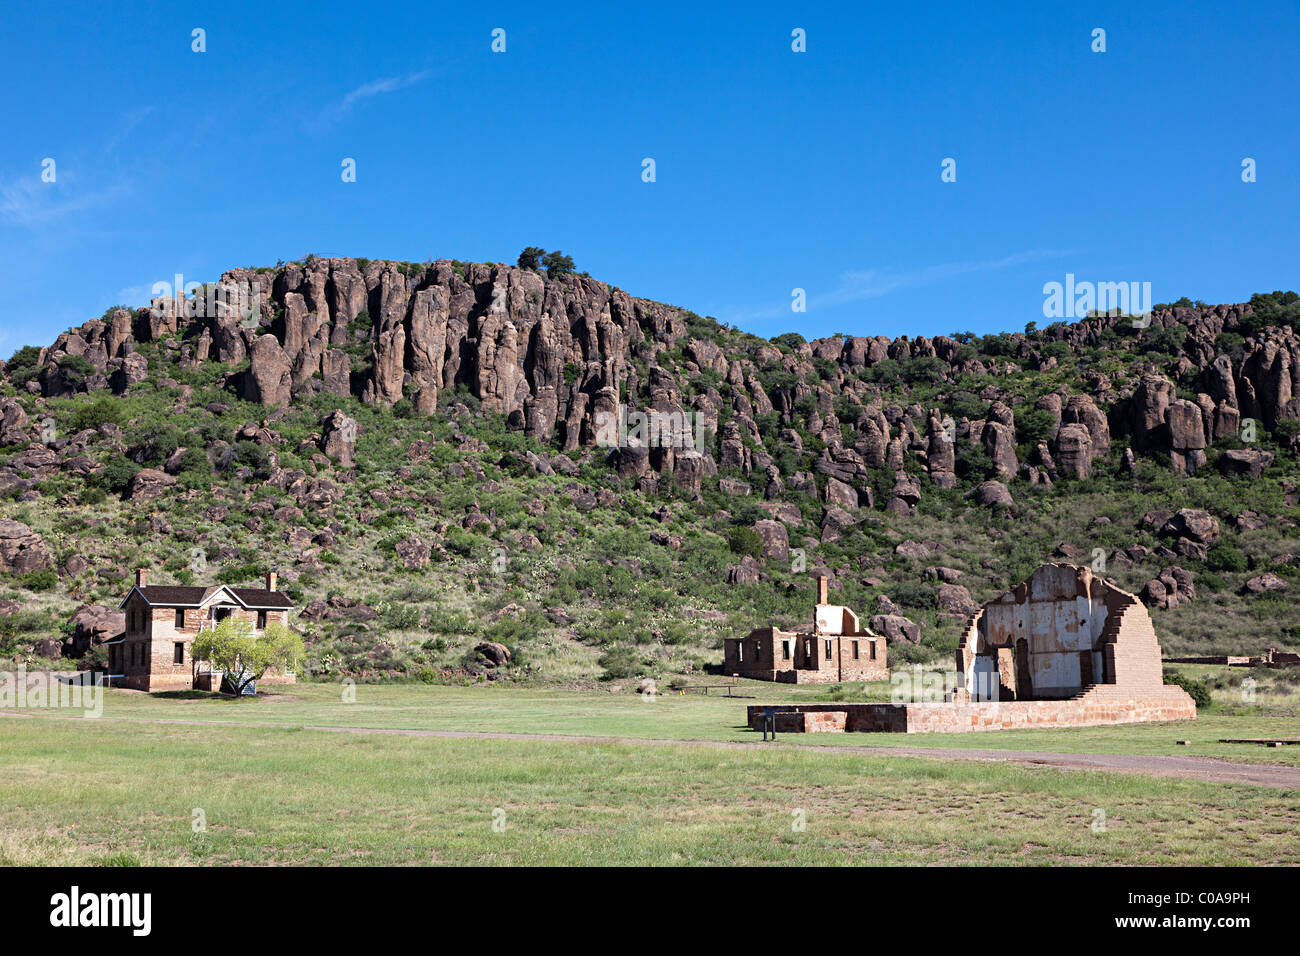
(162, 622)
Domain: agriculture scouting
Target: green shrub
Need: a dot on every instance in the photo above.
(1226, 557)
(1211, 583)
(742, 539)
(1197, 689)
(103, 410)
(39, 580)
(621, 662)
(117, 474)
(915, 594)
(21, 367)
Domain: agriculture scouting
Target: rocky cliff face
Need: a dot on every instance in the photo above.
(553, 356)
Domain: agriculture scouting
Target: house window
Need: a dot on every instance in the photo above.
(178, 653)
(829, 652)
(873, 650)
(855, 650)
(180, 617)
(758, 650)
(261, 620)
(785, 650)
(740, 651)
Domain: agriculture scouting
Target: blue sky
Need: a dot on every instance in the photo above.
(775, 169)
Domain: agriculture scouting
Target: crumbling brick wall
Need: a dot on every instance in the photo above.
(1056, 634)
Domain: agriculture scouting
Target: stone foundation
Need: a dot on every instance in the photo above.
(1097, 707)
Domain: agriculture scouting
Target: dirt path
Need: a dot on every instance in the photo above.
(1210, 769)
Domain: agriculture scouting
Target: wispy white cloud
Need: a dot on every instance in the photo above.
(365, 91)
(874, 283)
(857, 285)
(133, 119)
(376, 87)
(32, 203)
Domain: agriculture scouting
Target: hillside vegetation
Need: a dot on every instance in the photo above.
(416, 448)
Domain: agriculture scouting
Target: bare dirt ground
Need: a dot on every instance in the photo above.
(1209, 769)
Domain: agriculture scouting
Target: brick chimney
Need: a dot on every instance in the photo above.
(141, 577)
(271, 578)
(822, 584)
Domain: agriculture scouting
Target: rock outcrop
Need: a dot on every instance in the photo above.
(21, 549)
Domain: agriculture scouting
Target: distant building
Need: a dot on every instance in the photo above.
(162, 622)
(837, 649)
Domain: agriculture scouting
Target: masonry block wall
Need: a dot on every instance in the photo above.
(1096, 708)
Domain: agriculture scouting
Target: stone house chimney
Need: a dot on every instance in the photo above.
(822, 585)
(141, 577)
(271, 578)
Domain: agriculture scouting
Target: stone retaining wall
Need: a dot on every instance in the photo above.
(1096, 707)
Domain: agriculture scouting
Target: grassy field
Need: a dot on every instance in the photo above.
(98, 792)
(124, 789)
(541, 710)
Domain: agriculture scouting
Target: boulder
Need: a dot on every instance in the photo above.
(1082, 410)
(493, 654)
(1146, 412)
(1000, 445)
(1194, 524)
(895, 627)
(133, 370)
(148, 484)
(93, 624)
(1172, 587)
(775, 538)
(994, 494)
(1267, 581)
(13, 422)
(21, 549)
(1248, 462)
(841, 493)
(946, 575)
(834, 521)
(1074, 450)
(339, 437)
(1186, 425)
(955, 598)
(912, 549)
(413, 552)
(746, 572)
(269, 379)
